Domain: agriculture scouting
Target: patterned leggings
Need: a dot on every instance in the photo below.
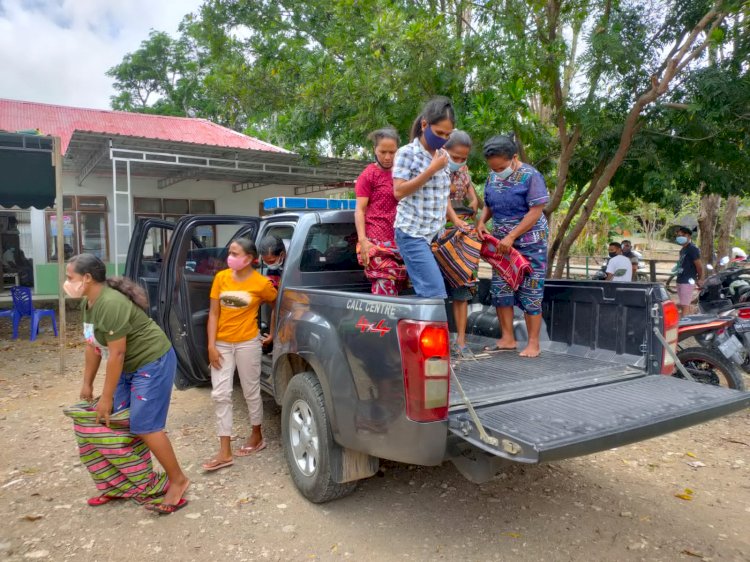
(533, 246)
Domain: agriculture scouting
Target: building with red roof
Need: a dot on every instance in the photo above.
(120, 166)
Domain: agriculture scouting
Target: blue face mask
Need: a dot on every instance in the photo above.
(454, 166)
(433, 141)
(681, 240)
(505, 174)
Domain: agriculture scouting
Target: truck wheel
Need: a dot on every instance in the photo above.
(308, 442)
(710, 367)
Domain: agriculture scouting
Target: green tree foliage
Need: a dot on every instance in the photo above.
(581, 82)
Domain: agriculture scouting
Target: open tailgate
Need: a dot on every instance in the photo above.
(586, 420)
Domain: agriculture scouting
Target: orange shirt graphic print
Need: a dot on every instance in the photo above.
(235, 299)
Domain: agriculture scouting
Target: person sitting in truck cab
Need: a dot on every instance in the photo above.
(273, 253)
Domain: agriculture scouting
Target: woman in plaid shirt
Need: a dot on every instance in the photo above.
(422, 186)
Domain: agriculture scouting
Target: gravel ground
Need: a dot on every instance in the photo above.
(622, 504)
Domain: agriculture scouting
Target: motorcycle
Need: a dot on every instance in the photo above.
(720, 352)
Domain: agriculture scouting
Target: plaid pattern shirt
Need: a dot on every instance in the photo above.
(421, 214)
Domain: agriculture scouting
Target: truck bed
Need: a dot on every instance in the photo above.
(499, 377)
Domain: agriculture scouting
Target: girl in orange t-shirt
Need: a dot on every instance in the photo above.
(234, 341)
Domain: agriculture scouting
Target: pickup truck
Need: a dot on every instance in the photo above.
(361, 377)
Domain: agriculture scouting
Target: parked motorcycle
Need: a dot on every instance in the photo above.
(720, 352)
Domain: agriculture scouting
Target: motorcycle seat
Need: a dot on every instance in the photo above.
(696, 319)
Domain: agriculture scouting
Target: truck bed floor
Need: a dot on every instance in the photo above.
(506, 376)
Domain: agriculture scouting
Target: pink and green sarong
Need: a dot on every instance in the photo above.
(118, 461)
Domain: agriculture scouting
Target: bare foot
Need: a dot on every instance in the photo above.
(532, 350)
(255, 439)
(504, 343)
(176, 491)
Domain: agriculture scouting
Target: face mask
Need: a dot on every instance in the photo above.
(681, 240)
(612, 254)
(433, 141)
(505, 174)
(454, 166)
(275, 266)
(236, 263)
(73, 290)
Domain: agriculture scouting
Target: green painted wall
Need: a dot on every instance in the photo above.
(46, 277)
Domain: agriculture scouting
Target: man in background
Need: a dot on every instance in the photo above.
(689, 269)
(628, 252)
(619, 267)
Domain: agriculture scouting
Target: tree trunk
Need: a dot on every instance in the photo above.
(707, 219)
(685, 52)
(727, 225)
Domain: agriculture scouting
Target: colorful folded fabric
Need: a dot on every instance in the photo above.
(512, 266)
(457, 255)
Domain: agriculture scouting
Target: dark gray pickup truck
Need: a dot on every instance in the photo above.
(362, 377)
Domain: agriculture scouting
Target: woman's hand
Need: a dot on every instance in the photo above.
(267, 339)
(504, 246)
(482, 231)
(364, 251)
(461, 224)
(87, 392)
(439, 161)
(214, 357)
(104, 409)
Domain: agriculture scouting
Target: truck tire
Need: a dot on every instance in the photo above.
(308, 442)
(710, 367)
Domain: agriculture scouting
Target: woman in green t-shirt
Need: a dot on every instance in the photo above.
(140, 365)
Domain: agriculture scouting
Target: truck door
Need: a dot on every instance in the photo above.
(146, 252)
(198, 251)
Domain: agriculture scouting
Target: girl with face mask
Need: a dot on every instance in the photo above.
(234, 340)
(421, 184)
(374, 217)
(514, 198)
(140, 369)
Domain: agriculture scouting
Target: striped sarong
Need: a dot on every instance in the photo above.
(118, 461)
(457, 254)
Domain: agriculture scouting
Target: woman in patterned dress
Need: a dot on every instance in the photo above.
(514, 197)
(374, 216)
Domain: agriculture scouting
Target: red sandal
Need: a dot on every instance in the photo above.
(101, 500)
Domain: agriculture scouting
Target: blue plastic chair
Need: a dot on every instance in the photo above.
(23, 306)
(9, 314)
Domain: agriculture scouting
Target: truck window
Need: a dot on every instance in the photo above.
(330, 247)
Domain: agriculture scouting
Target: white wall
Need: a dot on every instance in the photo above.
(226, 201)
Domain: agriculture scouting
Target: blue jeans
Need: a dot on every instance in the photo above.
(421, 266)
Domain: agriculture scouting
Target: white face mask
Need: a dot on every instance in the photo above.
(275, 266)
(73, 290)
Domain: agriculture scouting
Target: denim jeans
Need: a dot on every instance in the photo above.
(421, 266)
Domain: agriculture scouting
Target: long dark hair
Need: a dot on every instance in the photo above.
(437, 109)
(89, 263)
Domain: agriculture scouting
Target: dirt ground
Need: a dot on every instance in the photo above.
(622, 504)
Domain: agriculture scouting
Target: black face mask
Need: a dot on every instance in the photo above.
(612, 254)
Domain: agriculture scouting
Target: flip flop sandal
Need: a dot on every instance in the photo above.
(101, 500)
(215, 464)
(247, 451)
(497, 349)
(166, 508)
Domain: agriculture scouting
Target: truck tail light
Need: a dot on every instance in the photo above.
(426, 364)
(744, 313)
(671, 320)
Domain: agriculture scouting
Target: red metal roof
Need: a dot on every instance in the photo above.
(62, 121)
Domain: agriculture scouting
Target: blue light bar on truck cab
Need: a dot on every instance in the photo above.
(307, 204)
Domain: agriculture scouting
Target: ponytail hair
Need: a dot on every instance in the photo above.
(89, 263)
(437, 109)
